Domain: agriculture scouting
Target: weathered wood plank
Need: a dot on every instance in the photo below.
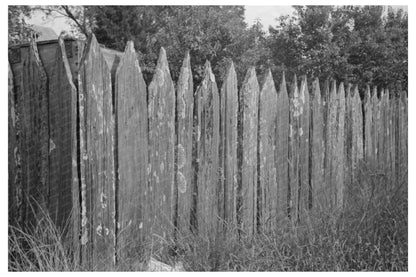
(247, 153)
(14, 159)
(97, 160)
(33, 108)
(317, 147)
(348, 137)
(63, 204)
(268, 198)
(281, 151)
(339, 151)
(368, 123)
(131, 158)
(294, 125)
(357, 145)
(183, 155)
(161, 122)
(375, 125)
(207, 115)
(303, 133)
(228, 147)
(330, 146)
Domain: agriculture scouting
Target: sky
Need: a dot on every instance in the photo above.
(266, 14)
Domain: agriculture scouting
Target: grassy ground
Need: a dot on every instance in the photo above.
(369, 234)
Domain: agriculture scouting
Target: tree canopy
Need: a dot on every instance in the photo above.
(357, 44)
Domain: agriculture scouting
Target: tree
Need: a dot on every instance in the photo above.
(18, 30)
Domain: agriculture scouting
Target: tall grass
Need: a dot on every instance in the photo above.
(368, 234)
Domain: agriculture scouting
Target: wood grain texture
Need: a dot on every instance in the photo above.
(161, 122)
(303, 133)
(63, 204)
(368, 123)
(207, 129)
(183, 154)
(339, 150)
(268, 198)
(281, 151)
(317, 147)
(132, 151)
(247, 153)
(35, 136)
(228, 148)
(357, 144)
(97, 160)
(294, 125)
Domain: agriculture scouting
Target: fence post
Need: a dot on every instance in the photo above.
(207, 129)
(247, 153)
(281, 151)
(161, 112)
(63, 204)
(131, 155)
(97, 159)
(339, 150)
(228, 148)
(183, 155)
(266, 148)
(357, 151)
(303, 132)
(317, 148)
(368, 123)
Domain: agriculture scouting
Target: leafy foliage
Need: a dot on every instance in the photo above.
(18, 29)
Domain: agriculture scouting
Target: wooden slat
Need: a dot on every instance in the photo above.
(161, 122)
(247, 153)
(368, 123)
(281, 151)
(207, 128)
(97, 160)
(317, 147)
(339, 151)
(294, 124)
(33, 108)
(228, 147)
(375, 102)
(348, 137)
(131, 157)
(357, 145)
(183, 155)
(63, 204)
(330, 146)
(303, 133)
(267, 143)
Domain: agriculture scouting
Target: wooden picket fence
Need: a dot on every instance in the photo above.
(117, 163)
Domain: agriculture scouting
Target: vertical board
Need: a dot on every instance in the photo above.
(330, 147)
(63, 202)
(13, 150)
(131, 158)
(339, 151)
(375, 125)
(97, 160)
(35, 135)
(368, 123)
(228, 146)
(391, 127)
(317, 147)
(207, 115)
(281, 151)
(357, 145)
(247, 153)
(161, 122)
(348, 136)
(303, 133)
(266, 148)
(183, 156)
(294, 125)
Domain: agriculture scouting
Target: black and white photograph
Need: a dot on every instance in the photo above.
(201, 137)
